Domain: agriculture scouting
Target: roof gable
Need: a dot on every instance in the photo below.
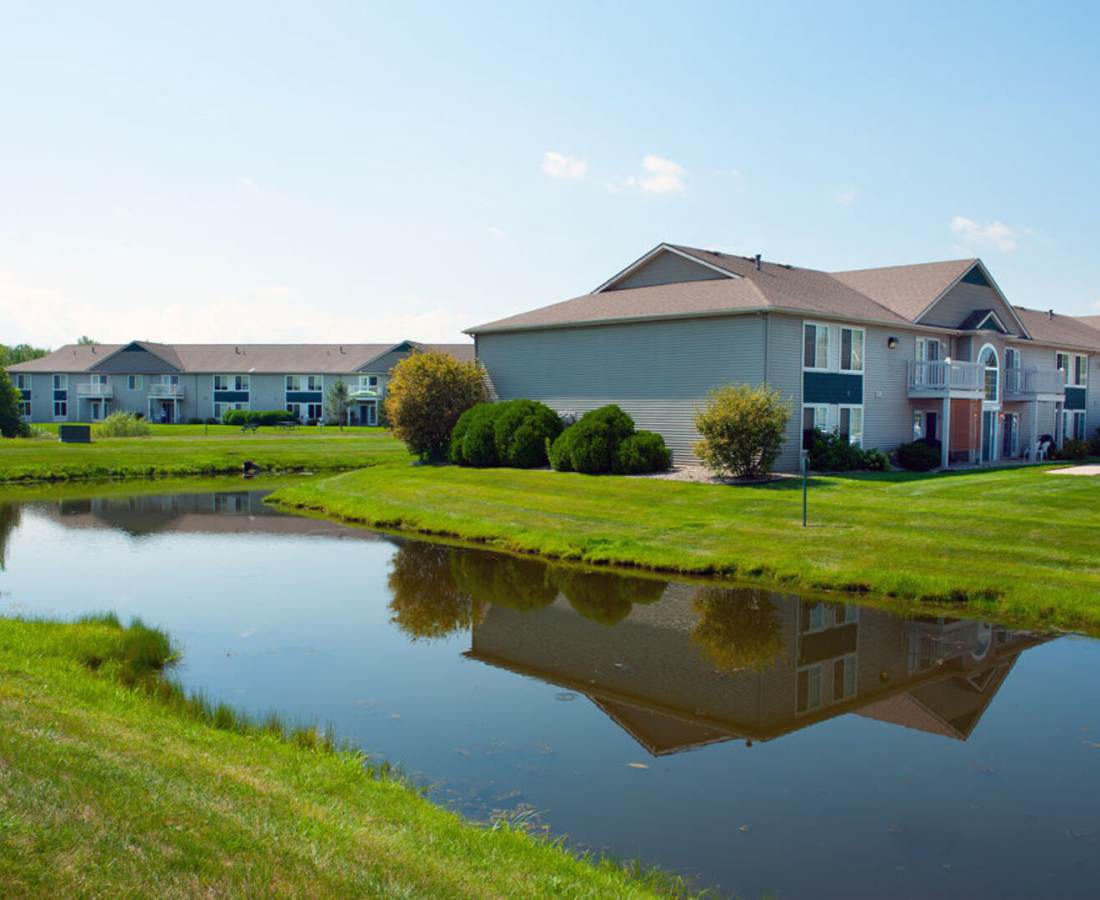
(139, 356)
(665, 264)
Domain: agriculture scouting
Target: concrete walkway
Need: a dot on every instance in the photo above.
(1077, 470)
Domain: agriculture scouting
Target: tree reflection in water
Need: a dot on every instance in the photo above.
(737, 629)
(427, 602)
(9, 521)
(604, 597)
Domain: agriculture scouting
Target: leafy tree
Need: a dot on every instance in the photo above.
(426, 395)
(605, 597)
(9, 520)
(84, 339)
(338, 401)
(11, 422)
(18, 353)
(737, 629)
(520, 584)
(743, 429)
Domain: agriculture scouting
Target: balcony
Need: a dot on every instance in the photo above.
(160, 391)
(95, 391)
(362, 392)
(946, 378)
(1034, 382)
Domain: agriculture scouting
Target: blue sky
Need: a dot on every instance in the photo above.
(247, 172)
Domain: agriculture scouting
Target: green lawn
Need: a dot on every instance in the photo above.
(1020, 543)
(113, 791)
(186, 450)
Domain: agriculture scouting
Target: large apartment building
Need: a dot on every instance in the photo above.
(188, 382)
(883, 356)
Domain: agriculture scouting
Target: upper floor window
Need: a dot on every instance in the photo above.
(1012, 358)
(22, 382)
(368, 382)
(293, 382)
(315, 382)
(134, 382)
(98, 379)
(61, 382)
(851, 349)
(169, 379)
(988, 358)
(816, 344)
(221, 382)
(928, 349)
(1074, 368)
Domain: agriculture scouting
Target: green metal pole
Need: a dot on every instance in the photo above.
(805, 484)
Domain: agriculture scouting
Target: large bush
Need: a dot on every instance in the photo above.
(605, 597)
(833, 452)
(512, 433)
(11, 423)
(643, 451)
(1073, 449)
(591, 444)
(473, 440)
(122, 424)
(920, 456)
(521, 431)
(743, 429)
(426, 395)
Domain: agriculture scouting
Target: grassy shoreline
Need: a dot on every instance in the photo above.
(111, 785)
(1015, 543)
(187, 451)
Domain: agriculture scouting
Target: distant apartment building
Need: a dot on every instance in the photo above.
(199, 382)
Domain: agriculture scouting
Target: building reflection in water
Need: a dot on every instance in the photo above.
(679, 666)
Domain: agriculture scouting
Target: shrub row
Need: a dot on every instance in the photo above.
(513, 433)
(604, 440)
(257, 416)
(833, 452)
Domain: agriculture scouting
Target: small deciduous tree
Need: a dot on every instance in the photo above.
(338, 401)
(743, 429)
(737, 629)
(11, 422)
(426, 394)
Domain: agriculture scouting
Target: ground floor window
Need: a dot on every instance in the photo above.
(25, 408)
(809, 688)
(846, 420)
(221, 408)
(814, 418)
(926, 425)
(61, 409)
(1011, 435)
(851, 424)
(844, 678)
(1073, 426)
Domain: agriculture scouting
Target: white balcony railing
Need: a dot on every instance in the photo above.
(944, 375)
(1034, 380)
(166, 391)
(95, 390)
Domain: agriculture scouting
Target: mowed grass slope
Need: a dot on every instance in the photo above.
(186, 450)
(109, 791)
(1019, 543)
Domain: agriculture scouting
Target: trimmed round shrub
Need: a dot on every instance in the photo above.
(521, 430)
(472, 440)
(643, 451)
(743, 428)
(919, 456)
(591, 445)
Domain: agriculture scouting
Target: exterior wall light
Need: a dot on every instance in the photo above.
(892, 343)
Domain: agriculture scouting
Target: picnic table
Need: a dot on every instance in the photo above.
(287, 425)
(250, 426)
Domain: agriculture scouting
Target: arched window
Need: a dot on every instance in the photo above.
(988, 358)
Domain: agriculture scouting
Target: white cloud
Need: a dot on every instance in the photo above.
(562, 165)
(662, 176)
(995, 235)
(496, 231)
(845, 196)
(248, 184)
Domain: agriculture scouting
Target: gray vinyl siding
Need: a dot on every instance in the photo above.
(667, 268)
(1093, 405)
(659, 372)
(887, 409)
(784, 373)
(961, 301)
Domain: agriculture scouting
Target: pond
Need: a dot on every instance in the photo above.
(755, 742)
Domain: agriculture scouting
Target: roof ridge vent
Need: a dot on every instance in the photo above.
(756, 260)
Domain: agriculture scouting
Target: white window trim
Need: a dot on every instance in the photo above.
(988, 404)
(320, 378)
(840, 349)
(862, 421)
(135, 382)
(1069, 373)
(60, 417)
(924, 342)
(60, 382)
(214, 383)
(828, 346)
(1017, 354)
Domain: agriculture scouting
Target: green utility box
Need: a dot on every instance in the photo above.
(75, 434)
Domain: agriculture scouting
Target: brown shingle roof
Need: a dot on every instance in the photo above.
(1067, 331)
(774, 286)
(320, 359)
(907, 290)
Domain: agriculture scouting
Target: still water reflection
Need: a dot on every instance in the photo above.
(759, 742)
